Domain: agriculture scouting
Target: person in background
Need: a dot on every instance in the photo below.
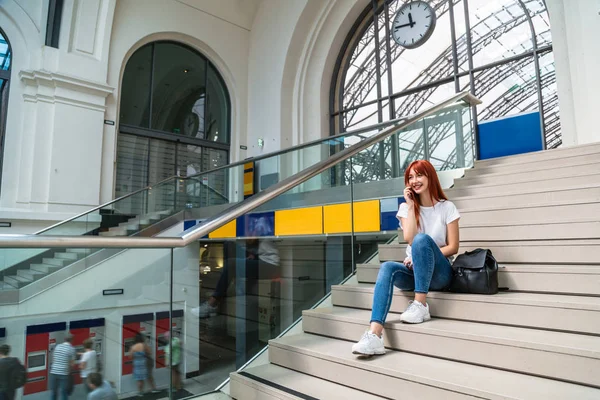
(142, 364)
(10, 368)
(98, 388)
(63, 362)
(88, 362)
(174, 359)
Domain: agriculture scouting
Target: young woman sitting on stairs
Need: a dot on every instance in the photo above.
(430, 226)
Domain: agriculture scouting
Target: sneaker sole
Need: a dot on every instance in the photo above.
(375, 353)
(415, 322)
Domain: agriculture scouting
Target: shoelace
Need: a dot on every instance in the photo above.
(411, 305)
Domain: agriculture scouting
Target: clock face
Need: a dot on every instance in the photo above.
(191, 124)
(413, 24)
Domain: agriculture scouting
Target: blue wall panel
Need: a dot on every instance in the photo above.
(516, 134)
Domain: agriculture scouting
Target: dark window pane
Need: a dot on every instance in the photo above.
(132, 164)
(216, 181)
(162, 160)
(178, 98)
(189, 159)
(217, 122)
(5, 56)
(135, 95)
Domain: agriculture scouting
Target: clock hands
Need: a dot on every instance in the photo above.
(411, 23)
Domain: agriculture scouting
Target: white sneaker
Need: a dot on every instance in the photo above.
(205, 310)
(415, 313)
(369, 344)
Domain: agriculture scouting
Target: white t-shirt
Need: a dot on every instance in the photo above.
(89, 358)
(433, 220)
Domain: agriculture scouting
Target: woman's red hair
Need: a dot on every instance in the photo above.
(436, 192)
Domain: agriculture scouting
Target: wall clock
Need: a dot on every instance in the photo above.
(413, 25)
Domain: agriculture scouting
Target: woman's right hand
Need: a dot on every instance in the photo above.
(409, 196)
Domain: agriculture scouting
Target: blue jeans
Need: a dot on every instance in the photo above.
(59, 383)
(430, 271)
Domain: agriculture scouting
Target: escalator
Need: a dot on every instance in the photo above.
(159, 254)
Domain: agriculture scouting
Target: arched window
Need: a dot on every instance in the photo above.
(5, 63)
(377, 80)
(174, 117)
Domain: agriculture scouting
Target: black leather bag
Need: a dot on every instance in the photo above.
(475, 272)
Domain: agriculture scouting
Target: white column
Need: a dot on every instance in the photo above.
(575, 27)
(63, 128)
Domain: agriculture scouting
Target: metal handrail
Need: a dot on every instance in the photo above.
(232, 165)
(230, 214)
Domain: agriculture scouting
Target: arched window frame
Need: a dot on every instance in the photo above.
(175, 140)
(371, 16)
(4, 94)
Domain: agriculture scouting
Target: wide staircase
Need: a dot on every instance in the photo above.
(539, 338)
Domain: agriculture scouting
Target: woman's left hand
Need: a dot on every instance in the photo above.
(408, 262)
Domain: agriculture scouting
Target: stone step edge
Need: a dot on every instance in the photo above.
(547, 154)
(585, 164)
(522, 193)
(403, 369)
(558, 269)
(430, 329)
(593, 174)
(514, 243)
(558, 301)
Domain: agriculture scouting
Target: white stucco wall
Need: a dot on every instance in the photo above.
(575, 26)
(59, 156)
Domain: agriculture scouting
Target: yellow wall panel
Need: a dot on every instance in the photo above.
(336, 218)
(367, 217)
(300, 221)
(226, 231)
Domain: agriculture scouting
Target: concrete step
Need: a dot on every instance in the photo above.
(30, 274)
(563, 279)
(534, 157)
(519, 252)
(17, 281)
(45, 267)
(5, 286)
(527, 214)
(532, 196)
(132, 221)
(534, 310)
(111, 233)
(582, 160)
(118, 231)
(522, 187)
(67, 256)
(564, 356)
(274, 382)
(59, 262)
(532, 231)
(80, 252)
(402, 375)
(158, 215)
(530, 176)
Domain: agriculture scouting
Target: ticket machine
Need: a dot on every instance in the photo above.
(84, 329)
(40, 341)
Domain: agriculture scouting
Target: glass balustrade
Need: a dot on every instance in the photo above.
(194, 314)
